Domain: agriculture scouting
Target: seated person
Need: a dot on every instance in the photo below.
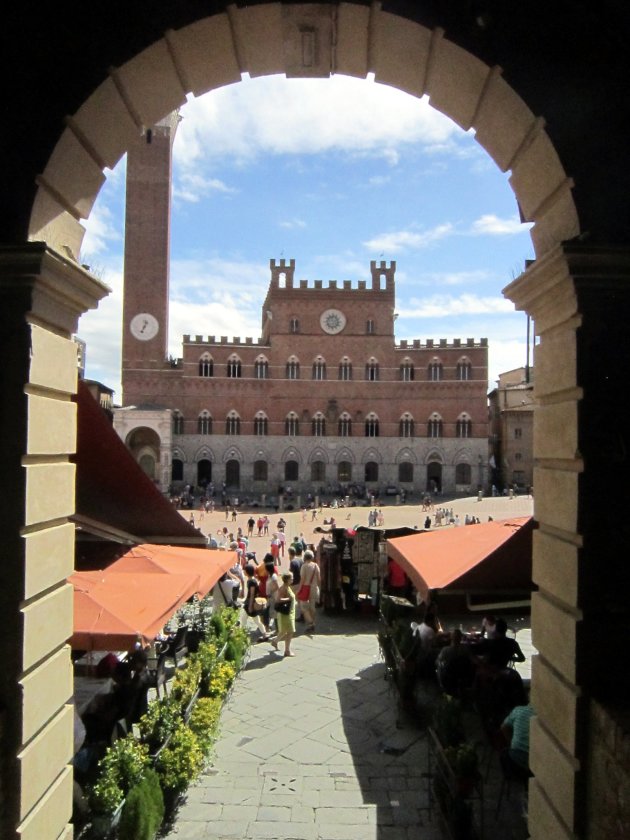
(454, 667)
(515, 728)
(489, 626)
(499, 651)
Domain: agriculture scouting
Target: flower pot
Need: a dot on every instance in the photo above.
(104, 824)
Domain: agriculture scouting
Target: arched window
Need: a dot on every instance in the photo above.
(345, 369)
(234, 367)
(318, 471)
(371, 371)
(260, 423)
(261, 368)
(318, 425)
(434, 427)
(369, 327)
(204, 423)
(232, 424)
(371, 471)
(405, 472)
(319, 368)
(464, 370)
(371, 425)
(293, 368)
(204, 472)
(407, 371)
(435, 371)
(291, 471)
(178, 423)
(463, 474)
(463, 427)
(292, 424)
(177, 470)
(406, 426)
(294, 326)
(260, 471)
(344, 471)
(345, 425)
(206, 365)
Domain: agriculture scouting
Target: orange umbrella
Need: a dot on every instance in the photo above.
(489, 556)
(114, 611)
(209, 566)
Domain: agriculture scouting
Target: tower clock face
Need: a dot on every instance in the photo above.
(144, 326)
(332, 321)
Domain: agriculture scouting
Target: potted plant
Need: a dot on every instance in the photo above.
(159, 723)
(143, 810)
(122, 767)
(204, 721)
(464, 763)
(178, 764)
(221, 679)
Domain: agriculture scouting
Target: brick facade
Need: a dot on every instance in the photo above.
(324, 398)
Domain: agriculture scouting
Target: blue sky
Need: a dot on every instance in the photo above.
(332, 173)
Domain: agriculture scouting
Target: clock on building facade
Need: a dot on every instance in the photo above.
(144, 326)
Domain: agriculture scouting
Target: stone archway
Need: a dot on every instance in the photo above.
(355, 39)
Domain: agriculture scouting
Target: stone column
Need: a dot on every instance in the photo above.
(579, 296)
(41, 297)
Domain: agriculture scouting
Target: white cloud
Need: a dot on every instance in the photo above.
(401, 240)
(192, 186)
(292, 224)
(275, 115)
(492, 225)
(446, 306)
(102, 229)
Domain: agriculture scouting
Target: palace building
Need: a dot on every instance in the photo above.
(324, 399)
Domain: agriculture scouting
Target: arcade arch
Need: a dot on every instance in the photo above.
(216, 50)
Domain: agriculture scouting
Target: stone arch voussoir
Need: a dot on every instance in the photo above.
(266, 39)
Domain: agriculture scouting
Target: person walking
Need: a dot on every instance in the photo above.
(253, 606)
(285, 614)
(308, 593)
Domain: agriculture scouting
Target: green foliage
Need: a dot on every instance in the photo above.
(186, 682)
(122, 767)
(217, 631)
(221, 679)
(181, 761)
(204, 721)
(447, 721)
(160, 721)
(143, 810)
(463, 760)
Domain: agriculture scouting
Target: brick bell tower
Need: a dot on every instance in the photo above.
(147, 254)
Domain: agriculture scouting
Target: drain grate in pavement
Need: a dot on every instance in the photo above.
(277, 785)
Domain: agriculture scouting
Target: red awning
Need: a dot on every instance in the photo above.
(207, 566)
(491, 556)
(112, 611)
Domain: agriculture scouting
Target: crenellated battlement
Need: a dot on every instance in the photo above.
(283, 277)
(236, 341)
(440, 344)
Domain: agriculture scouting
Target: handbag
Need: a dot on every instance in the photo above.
(304, 592)
(260, 604)
(283, 606)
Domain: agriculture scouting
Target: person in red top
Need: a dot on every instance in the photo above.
(397, 580)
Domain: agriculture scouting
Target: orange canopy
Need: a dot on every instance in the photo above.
(208, 566)
(491, 556)
(113, 611)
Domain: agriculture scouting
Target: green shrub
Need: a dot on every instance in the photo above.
(160, 721)
(181, 761)
(143, 810)
(186, 682)
(122, 767)
(447, 721)
(221, 679)
(217, 632)
(204, 721)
